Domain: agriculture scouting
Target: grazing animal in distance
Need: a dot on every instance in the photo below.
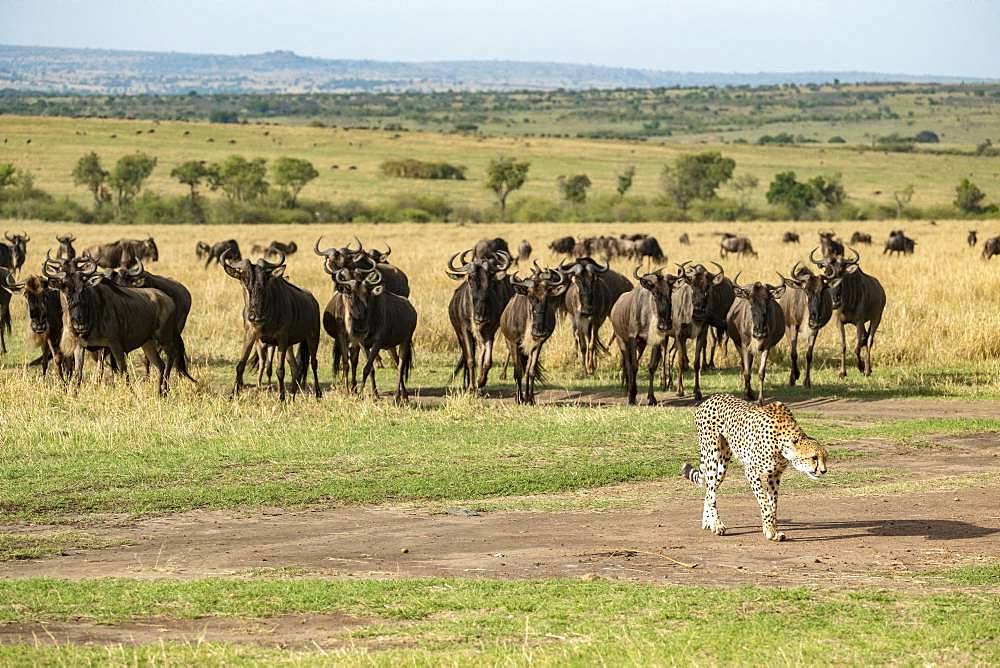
(123, 253)
(274, 248)
(227, 247)
(563, 245)
(899, 243)
(684, 240)
(765, 439)
(488, 247)
(737, 245)
(66, 250)
(831, 247)
(790, 238)
(756, 324)
(972, 239)
(861, 238)
(523, 252)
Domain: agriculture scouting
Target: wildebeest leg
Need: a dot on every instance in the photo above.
(861, 343)
(249, 345)
(78, 356)
(793, 352)
(371, 355)
(355, 352)
(667, 372)
(485, 363)
(468, 343)
(627, 348)
(843, 349)
(699, 354)
(394, 356)
(405, 359)
(261, 362)
(118, 354)
(531, 372)
(761, 373)
(809, 358)
(655, 353)
(747, 372)
(514, 350)
(282, 356)
(870, 341)
(682, 365)
(152, 354)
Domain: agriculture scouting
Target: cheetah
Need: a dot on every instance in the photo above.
(765, 439)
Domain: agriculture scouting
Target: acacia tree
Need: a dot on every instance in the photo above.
(126, 179)
(292, 174)
(969, 198)
(625, 181)
(696, 176)
(574, 188)
(744, 185)
(504, 176)
(242, 180)
(89, 173)
(191, 173)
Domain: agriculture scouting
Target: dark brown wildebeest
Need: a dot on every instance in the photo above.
(682, 317)
(276, 313)
(136, 276)
(18, 251)
(274, 247)
(756, 324)
(899, 243)
(644, 317)
(45, 318)
(738, 245)
(830, 246)
(972, 239)
(527, 323)
(790, 238)
(228, 247)
(7, 287)
(102, 315)
(593, 290)
(375, 319)
(123, 252)
(860, 238)
(66, 250)
(684, 240)
(808, 307)
(711, 297)
(858, 298)
(563, 245)
(486, 248)
(393, 278)
(475, 309)
(649, 247)
(991, 247)
(524, 251)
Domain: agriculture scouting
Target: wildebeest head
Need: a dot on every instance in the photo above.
(66, 250)
(585, 272)
(149, 251)
(480, 274)
(339, 258)
(18, 247)
(35, 289)
(662, 288)
(813, 285)
(74, 279)
(255, 279)
(132, 276)
(542, 288)
(759, 295)
(362, 287)
(834, 271)
(701, 281)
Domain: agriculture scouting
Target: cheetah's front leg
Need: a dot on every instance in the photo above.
(714, 472)
(765, 488)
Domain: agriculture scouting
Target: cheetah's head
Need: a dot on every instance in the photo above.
(807, 455)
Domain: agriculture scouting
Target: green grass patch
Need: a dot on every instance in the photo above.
(542, 621)
(18, 546)
(985, 574)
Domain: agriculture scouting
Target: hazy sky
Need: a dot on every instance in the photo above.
(906, 36)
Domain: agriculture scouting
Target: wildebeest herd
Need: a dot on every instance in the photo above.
(103, 302)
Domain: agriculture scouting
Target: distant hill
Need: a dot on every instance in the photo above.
(99, 71)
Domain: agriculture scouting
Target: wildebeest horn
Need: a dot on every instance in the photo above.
(736, 279)
(328, 252)
(566, 265)
(549, 281)
(224, 259)
(135, 269)
(599, 269)
(388, 250)
(343, 276)
(504, 258)
(274, 265)
(9, 282)
(682, 267)
(722, 272)
(464, 260)
(635, 272)
(454, 270)
(857, 256)
(361, 247)
(24, 235)
(376, 275)
(795, 269)
(812, 258)
(7, 236)
(371, 263)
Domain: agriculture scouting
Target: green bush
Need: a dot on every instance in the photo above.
(410, 168)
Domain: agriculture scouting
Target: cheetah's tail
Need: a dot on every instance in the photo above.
(691, 473)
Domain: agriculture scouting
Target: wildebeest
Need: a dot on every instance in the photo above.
(711, 297)
(276, 313)
(100, 314)
(593, 290)
(228, 247)
(972, 239)
(475, 309)
(7, 287)
(899, 243)
(527, 323)
(563, 245)
(18, 251)
(44, 316)
(524, 251)
(734, 244)
(136, 276)
(644, 317)
(123, 252)
(991, 247)
(807, 306)
(756, 324)
(274, 247)
(393, 278)
(374, 319)
(488, 248)
(790, 238)
(684, 240)
(66, 250)
(830, 246)
(649, 247)
(858, 298)
(861, 238)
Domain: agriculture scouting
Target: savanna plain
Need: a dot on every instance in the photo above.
(201, 528)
